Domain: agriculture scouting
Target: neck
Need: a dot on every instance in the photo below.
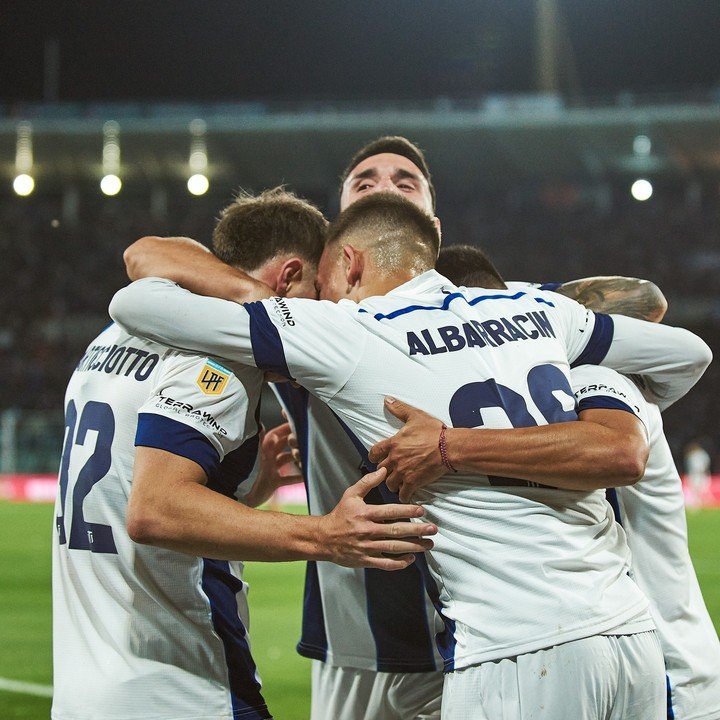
(382, 285)
(269, 271)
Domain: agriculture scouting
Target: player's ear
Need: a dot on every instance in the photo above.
(353, 265)
(436, 222)
(290, 275)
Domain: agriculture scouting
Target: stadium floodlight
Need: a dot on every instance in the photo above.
(198, 184)
(641, 190)
(111, 184)
(642, 145)
(23, 184)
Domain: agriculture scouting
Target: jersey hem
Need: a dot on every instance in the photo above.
(363, 663)
(707, 715)
(499, 652)
(254, 713)
(311, 651)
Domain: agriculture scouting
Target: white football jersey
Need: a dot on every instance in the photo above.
(518, 567)
(139, 631)
(354, 617)
(652, 513)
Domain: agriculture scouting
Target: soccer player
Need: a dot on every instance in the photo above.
(505, 591)
(371, 636)
(149, 605)
(697, 468)
(651, 511)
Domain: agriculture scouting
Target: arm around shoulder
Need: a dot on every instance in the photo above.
(607, 448)
(171, 507)
(152, 256)
(669, 359)
(631, 297)
(191, 265)
(161, 311)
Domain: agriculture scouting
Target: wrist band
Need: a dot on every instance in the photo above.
(442, 446)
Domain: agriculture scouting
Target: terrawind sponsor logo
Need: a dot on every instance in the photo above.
(283, 311)
(600, 388)
(179, 406)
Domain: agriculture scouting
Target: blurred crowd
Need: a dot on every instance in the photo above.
(62, 262)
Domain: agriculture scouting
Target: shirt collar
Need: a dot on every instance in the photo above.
(429, 281)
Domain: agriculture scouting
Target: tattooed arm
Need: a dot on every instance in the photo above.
(634, 298)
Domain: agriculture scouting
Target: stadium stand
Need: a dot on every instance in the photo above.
(58, 277)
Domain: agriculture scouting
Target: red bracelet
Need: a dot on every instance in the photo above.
(442, 445)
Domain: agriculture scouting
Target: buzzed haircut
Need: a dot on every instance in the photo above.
(255, 228)
(468, 266)
(397, 145)
(396, 231)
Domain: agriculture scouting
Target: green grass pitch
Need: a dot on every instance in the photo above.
(275, 601)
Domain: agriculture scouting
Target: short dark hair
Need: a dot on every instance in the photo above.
(255, 228)
(396, 145)
(469, 266)
(387, 214)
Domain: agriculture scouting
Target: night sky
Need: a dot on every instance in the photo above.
(319, 49)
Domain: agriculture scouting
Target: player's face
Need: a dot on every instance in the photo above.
(387, 172)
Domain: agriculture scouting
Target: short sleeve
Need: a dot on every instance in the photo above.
(161, 311)
(316, 343)
(587, 335)
(600, 388)
(199, 409)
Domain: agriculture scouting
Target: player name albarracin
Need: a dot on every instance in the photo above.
(489, 333)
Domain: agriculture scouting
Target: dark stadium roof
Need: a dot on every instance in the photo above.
(288, 89)
(226, 49)
(472, 146)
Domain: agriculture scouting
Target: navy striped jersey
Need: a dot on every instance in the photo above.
(140, 631)
(353, 617)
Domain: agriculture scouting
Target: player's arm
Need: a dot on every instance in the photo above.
(193, 266)
(160, 310)
(670, 360)
(278, 335)
(617, 295)
(171, 507)
(607, 449)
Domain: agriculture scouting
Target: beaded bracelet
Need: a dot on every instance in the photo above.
(442, 445)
